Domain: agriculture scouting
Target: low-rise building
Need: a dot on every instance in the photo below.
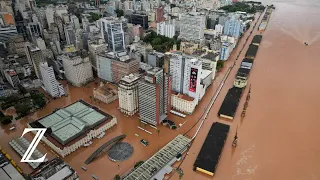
(105, 93)
(183, 103)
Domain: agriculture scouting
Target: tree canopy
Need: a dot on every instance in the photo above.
(95, 16)
(161, 43)
(244, 7)
(119, 12)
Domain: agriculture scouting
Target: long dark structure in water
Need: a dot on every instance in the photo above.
(211, 150)
(231, 101)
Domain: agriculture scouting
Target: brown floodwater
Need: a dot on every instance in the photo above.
(279, 137)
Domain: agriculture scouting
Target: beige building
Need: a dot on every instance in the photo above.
(105, 94)
(183, 103)
(128, 94)
(189, 47)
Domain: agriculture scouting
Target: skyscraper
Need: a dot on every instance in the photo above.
(113, 34)
(35, 57)
(75, 21)
(128, 94)
(77, 66)
(154, 96)
(192, 26)
(70, 34)
(233, 27)
(51, 85)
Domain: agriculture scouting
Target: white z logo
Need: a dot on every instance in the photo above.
(33, 145)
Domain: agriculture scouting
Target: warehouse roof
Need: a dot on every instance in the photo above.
(230, 102)
(211, 150)
(68, 123)
(243, 72)
(256, 39)
(252, 51)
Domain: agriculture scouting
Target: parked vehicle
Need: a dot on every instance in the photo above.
(144, 142)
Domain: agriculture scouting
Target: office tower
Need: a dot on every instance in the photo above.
(122, 66)
(233, 27)
(7, 32)
(34, 30)
(35, 57)
(192, 73)
(156, 59)
(51, 85)
(154, 93)
(75, 21)
(40, 43)
(96, 47)
(192, 26)
(166, 29)
(177, 64)
(50, 15)
(128, 94)
(70, 34)
(77, 67)
(60, 25)
(141, 19)
(113, 34)
(79, 39)
(159, 14)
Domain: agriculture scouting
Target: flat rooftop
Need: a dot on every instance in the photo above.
(256, 39)
(252, 51)
(66, 124)
(230, 102)
(8, 171)
(211, 150)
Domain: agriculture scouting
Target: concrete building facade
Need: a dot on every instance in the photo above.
(154, 96)
(128, 94)
(166, 29)
(51, 85)
(192, 26)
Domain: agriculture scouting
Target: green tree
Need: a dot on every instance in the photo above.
(220, 65)
(6, 120)
(138, 164)
(90, 98)
(95, 16)
(156, 41)
(38, 99)
(23, 108)
(158, 130)
(119, 12)
(117, 177)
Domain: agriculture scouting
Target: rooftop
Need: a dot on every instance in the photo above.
(66, 124)
(129, 79)
(7, 170)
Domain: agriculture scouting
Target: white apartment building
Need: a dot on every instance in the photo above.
(96, 47)
(192, 26)
(219, 29)
(51, 85)
(182, 104)
(177, 64)
(41, 44)
(165, 29)
(77, 68)
(192, 73)
(128, 94)
(75, 21)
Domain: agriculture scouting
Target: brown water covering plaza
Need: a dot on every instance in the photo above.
(278, 138)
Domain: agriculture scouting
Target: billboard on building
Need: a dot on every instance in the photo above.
(193, 80)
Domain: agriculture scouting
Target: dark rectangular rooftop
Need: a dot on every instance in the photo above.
(252, 51)
(230, 103)
(247, 60)
(256, 39)
(243, 72)
(211, 150)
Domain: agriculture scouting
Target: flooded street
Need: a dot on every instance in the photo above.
(279, 137)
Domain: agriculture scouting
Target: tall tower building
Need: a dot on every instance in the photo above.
(154, 96)
(177, 64)
(75, 21)
(192, 73)
(113, 34)
(70, 34)
(51, 85)
(128, 94)
(77, 66)
(35, 57)
(192, 26)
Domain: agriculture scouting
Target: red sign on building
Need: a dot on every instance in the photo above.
(193, 80)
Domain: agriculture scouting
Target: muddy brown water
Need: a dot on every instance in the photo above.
(279, 137)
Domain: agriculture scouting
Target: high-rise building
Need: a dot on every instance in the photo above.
(77, 67)
(177, 65)
(166, 29)
(141, 19)
(113, 66)
(34, 30)
(51, 85)
(75, 21)
(7, 33)
(192, 73)
(96, 47)
(40, 43)
(159, 14)
(50, 15)
(154, 96)
(233, 27)
(113, 34)
(128, 94)
(35, 57)
(70, 34)
(156, 59)
(192, 26)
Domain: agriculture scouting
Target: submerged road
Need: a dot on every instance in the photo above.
(222, 83)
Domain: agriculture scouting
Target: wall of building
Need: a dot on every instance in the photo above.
(183, 105)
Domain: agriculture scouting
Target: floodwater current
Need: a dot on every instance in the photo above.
(278, 138)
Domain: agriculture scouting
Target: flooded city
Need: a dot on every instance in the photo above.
(278, 137)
